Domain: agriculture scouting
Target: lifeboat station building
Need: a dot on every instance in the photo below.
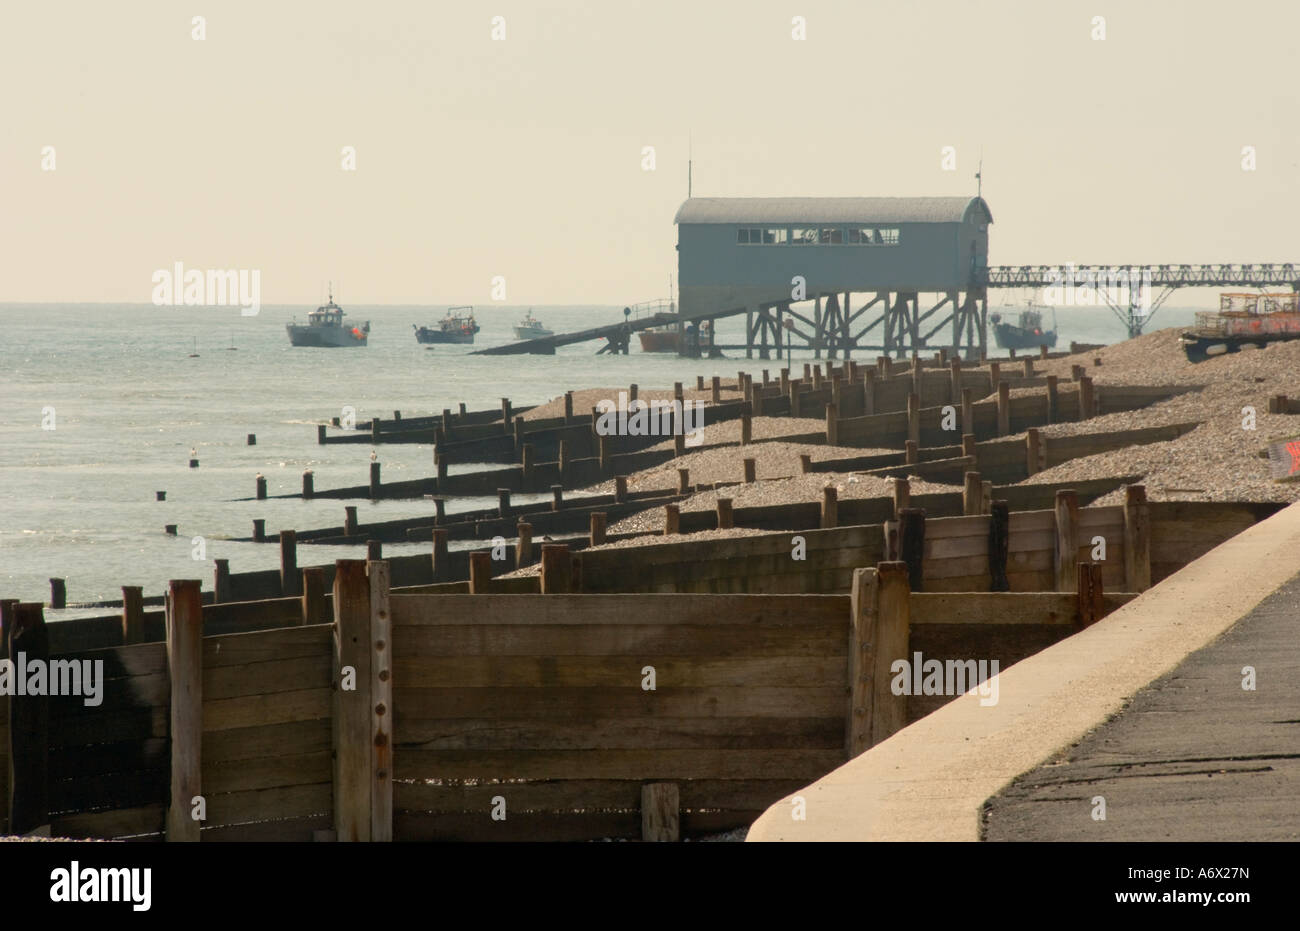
(761, 256)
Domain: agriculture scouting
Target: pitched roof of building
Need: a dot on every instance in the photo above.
(829, 209)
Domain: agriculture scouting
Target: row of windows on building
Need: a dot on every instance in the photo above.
(813, 236)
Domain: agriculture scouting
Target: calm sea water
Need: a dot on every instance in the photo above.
(129, 404)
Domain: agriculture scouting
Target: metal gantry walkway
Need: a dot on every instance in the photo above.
(1140, 305)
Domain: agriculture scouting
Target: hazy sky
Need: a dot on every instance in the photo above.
(523, 157)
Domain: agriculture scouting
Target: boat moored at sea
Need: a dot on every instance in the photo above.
(1243, 320)
(1028, 332)
(326, 328)
(457, 327)
(531, 328)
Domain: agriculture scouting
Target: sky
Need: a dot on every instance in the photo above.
(524, 157)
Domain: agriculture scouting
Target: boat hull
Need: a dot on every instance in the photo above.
(440, 337)
(522, 332)
(324, 337)
(1008, 336)
(660, 341)
(1199, 346)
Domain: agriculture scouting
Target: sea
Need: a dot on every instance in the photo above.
(103, 404)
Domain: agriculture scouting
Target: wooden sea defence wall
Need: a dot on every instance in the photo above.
(544, 716)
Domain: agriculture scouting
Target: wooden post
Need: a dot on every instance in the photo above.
(352, 708)
(1042, 352)
(716, 397)
(631, 392)
(890, 528)
(986, 497)
(832, 425)
(816, 379)
(1087, 400)
(699, 382)
(132, 614)
(557, 569)
(830, 507)
(972, 495)
(22, 628)
(1051, 399)
(1089, 593)
(805, 463)
(604, 453)
(912, 452)
(58, 594)
(518, 425)
(557, 497)
(563, 459)
(503, 502)
(750, 465)
(999, 539)
(524, 546)
(526, 462)
(261, 488)
(313, 595)
(220, 581)
(995, 376)
(1067, 540)
(902, 494)
(724, 514)
(505, 415)
(597, 528)
(441, 461)
(1137, 539)
(683, 481)
(660, 812)
(374, 550)
(620, 489)
(785, 380)
(480, 572)
(679, 443)
(968, 446)
(259, 529)
(568, 407)
(746, 429)
(914, 418)
(868, 392)
(439, 510)
(672, 520)
(911, 545)
(1004, 408)
(320, 434)
(441, 555)
(1076, 372)
(185, 672)
(879, 634)
(794, 397)
(375, 429)
(290, 586)
(1032, 450)
(1028, 363)
(967, 411)
(308, 484)
(374, 480)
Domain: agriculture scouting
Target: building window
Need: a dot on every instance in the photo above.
(803, 237)
(775, 237)
(859, 236)
(832, 235)
(887, 237)
(749, 236)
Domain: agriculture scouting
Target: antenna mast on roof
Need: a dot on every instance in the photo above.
(979, 176)
(688, 166)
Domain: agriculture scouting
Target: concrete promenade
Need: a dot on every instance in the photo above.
(932, 780)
